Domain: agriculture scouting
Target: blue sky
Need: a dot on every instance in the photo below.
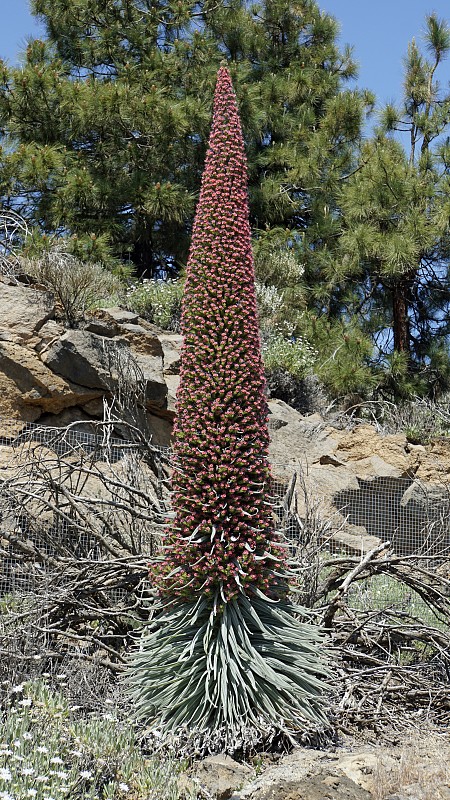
(379, 32)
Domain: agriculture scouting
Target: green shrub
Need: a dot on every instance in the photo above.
(157, 301)
(47, 752)
(294, 356)
(77, 285)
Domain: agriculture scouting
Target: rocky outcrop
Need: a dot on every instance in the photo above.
(305, 773)
(51, 374)
(220, 775)
(414, 768)
(91, 360)
(23, 312)
(28, 388)
(370, 488)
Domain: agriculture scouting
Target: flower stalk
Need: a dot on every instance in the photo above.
(222, 541)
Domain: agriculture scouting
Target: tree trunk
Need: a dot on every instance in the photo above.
(401, 294)
(142, 259)
(400, 323)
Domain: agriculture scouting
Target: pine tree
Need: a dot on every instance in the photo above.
(391, 267)
(107, 121)
(227, 653)
(106, 129)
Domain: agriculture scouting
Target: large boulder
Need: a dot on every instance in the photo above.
(220, 775)
(92, 360)
(314, 775)
(23, 312)
(82, 357)
(28, 388)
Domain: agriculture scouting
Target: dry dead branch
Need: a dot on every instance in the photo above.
(392, 656)
(13, 232)
(80, 521)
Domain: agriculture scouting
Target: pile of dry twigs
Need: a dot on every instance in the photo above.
(81, 517)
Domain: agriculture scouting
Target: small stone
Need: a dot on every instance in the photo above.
(221, 776)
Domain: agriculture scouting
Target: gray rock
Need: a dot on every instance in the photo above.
(28, 387)
(102, 328)
(48, 334)
(171, 345)
(80, 357)
(88, 360)
(141, 339)
(308, 774)
(422, 496)
(220, 775)
(23, 311)
(411, 792)
(151, 367)
(315, 787)
(121, 316)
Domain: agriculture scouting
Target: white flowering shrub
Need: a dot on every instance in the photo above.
(288, 354)
(157, 301)
(277, 264)
(270, 302)
(285, 264)
(48, 752)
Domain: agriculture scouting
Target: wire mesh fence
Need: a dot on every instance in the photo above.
(413, 516)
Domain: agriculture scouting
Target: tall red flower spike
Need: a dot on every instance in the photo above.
(222, 541)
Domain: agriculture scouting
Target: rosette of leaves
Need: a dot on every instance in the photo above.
(227, 651)
(250, 665)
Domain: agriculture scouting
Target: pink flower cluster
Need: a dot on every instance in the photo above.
(222, 540)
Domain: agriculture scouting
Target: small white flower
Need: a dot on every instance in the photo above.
(86, 774)
(17, 689)
(32, 792)
(27, 736)
(17, 743)
(62, 775)
(18, 758)
(124, 787)
(74, 708)
(5, 752)
(77, 753)
(42, 749)
(41, 779)
(26, 702)
(5, 774)
(28, 771)
(56, 760)
(6, 796)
